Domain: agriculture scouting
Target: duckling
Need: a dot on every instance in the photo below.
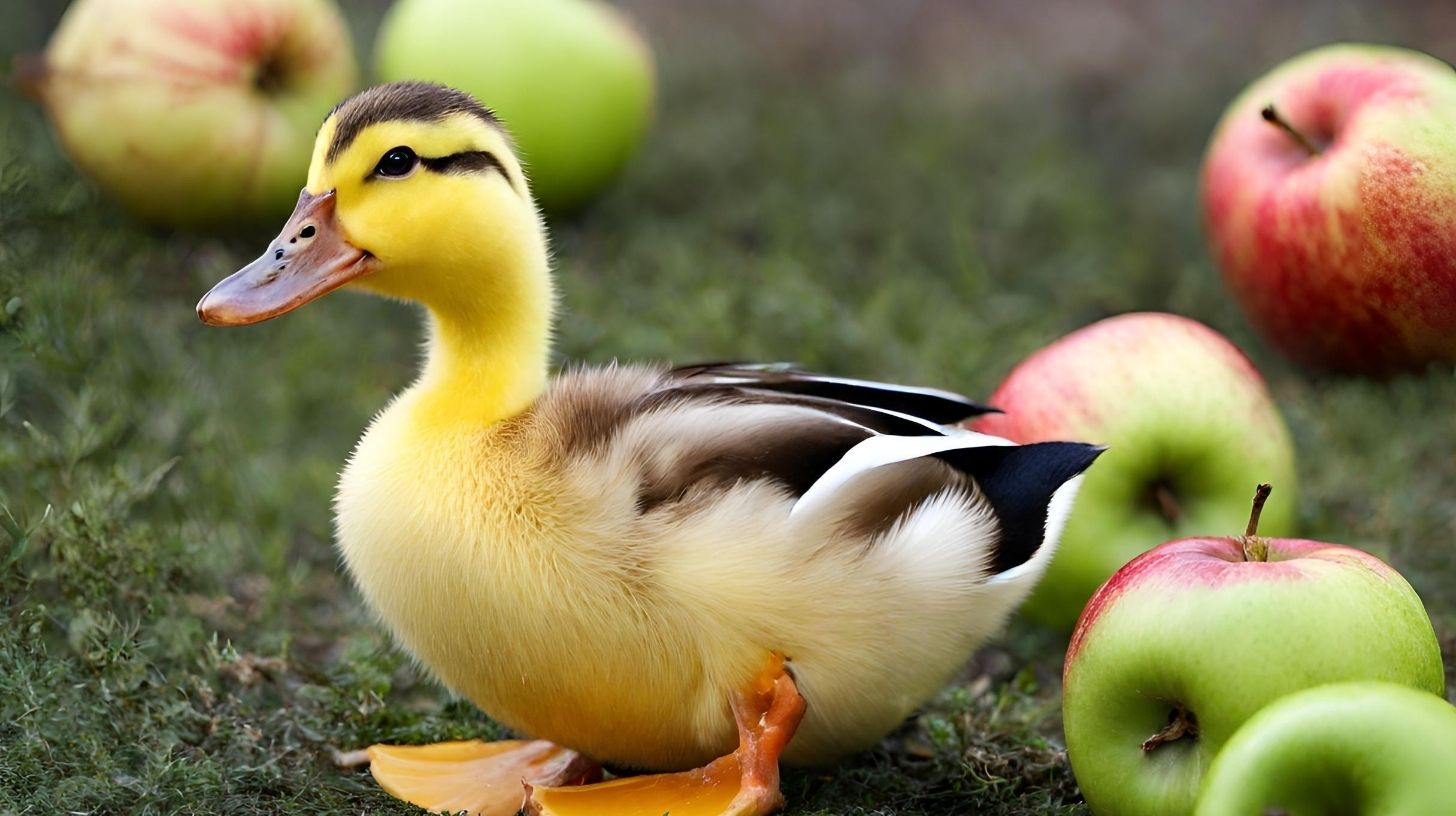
(711, 567)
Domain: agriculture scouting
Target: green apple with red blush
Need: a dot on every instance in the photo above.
(1189, 425)
(1362, 749)
(194, 113)
(1188, 641)
(1329, 201)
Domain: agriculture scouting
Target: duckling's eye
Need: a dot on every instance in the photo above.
(398, 161)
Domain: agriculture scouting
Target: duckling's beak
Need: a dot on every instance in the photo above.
(309, 258)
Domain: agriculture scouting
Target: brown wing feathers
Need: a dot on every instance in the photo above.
(793, 451)
(780, 425)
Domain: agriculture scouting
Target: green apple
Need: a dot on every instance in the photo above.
(571, 79)
(1329, 197)
(1360, 749)
(195, 113)
(1189, 426)
(1185, 643)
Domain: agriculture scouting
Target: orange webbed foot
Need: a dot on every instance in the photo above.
(480, 778)
(743, 783)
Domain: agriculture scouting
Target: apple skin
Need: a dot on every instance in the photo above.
(1346, 261)
(196, 113)
(1358, 748)
(1177, 404)
(1191, 623)
(572, 80)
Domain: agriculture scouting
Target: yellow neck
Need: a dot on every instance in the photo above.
(489, 344)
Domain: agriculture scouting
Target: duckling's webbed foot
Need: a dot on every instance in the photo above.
(480, 778)
(743, 783)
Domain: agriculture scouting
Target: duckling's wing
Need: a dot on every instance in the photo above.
(931, 404)
(691, 437)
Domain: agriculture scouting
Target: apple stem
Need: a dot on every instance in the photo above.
(1261, 495)
(1272, 117)
(271, 75)
(1254, 547)
(1181, 723)
(28, 75)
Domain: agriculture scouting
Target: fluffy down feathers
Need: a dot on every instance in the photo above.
(600, 570)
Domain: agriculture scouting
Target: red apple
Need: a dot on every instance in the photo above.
(1329, 197)
(1189, 426)
(1189, 640)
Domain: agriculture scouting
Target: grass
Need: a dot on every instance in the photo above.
(925, 201)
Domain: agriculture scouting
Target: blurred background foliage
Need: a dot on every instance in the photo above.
(917, 191)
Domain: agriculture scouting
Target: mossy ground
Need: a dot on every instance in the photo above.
(921, 197)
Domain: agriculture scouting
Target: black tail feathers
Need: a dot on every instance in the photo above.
(1019, 481)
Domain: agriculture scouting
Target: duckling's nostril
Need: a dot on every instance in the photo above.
(278, 254)
(307, 232)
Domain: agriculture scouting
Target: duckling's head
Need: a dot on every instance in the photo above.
(415, 192)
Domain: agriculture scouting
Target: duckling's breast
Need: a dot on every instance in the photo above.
(483, 563)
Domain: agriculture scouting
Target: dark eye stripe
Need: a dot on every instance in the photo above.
(470, 161)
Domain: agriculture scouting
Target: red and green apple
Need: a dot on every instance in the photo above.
(195, 113)
(1329, 199)
(1189, 426)
(1184, 644)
